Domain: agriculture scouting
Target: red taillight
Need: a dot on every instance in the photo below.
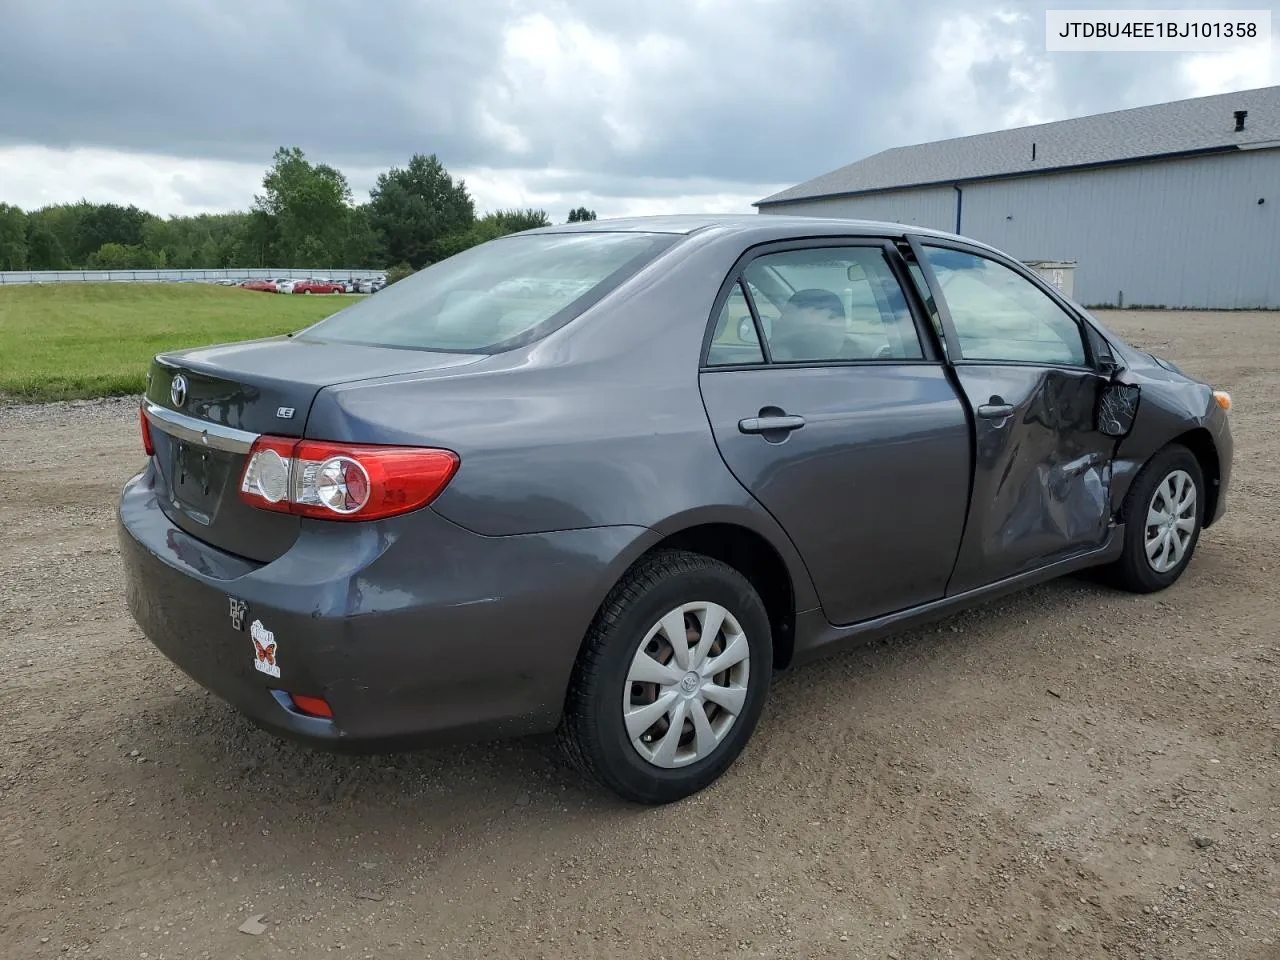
(312, 706)
(338, 481)
(147, 445)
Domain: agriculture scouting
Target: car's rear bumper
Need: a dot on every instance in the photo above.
(412, 630)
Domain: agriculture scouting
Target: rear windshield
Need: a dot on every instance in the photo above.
(494, 296)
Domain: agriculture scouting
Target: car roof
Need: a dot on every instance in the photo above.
(760, 226)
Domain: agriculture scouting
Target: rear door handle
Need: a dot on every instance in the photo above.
(995, 411)
(770, 424)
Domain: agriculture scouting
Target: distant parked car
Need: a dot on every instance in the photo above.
(318, 286)
(372, 286)
(284, 285)
(264, 286)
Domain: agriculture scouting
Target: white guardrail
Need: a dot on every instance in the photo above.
(182, 276)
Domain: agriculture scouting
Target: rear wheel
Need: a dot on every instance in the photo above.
(671, 679)
(1163, 514)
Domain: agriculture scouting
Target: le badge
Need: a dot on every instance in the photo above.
(264, 650)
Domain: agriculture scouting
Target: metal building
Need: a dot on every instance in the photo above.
(1168, 205)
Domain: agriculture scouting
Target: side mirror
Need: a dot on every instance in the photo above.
(1117, 409)
(1106, 360)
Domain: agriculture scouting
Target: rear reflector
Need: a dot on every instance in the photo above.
(337, 481)
(312, 706)
(147, 445)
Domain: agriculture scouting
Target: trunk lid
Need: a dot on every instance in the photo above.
(207, 405)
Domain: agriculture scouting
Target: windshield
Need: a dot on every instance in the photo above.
(495, 296)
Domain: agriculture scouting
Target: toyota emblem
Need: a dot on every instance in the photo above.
(178, 390)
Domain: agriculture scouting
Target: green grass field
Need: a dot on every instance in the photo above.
(72, 341)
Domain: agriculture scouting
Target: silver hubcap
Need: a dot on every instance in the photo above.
(1171, 520)
(687, 684)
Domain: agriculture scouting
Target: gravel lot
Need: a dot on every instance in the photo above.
(1071, 772)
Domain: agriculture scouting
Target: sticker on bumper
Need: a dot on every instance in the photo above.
(264, 649)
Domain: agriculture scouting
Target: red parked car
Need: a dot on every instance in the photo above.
(318, 286)
(264, 286)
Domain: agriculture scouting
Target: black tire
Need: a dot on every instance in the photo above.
(1133, 571)
(593, 734)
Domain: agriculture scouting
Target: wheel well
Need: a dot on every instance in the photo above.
(1200, 442)
(756, 559)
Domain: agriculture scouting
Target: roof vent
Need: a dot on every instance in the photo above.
(1240, 115)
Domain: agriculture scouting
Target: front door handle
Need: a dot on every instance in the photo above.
(770, 424)
(995, 411)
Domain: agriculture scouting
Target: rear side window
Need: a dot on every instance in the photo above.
(495, 296)
(830, 304)
(734, 340)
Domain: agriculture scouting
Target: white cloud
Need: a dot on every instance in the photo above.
(1210, 73)
(688, 105)
(964, 45)
(36, 176)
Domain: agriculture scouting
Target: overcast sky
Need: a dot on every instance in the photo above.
(626, 106)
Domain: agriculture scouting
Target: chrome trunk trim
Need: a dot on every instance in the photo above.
(202, 432)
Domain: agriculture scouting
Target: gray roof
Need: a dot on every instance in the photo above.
(1185, 126)
(774, 227)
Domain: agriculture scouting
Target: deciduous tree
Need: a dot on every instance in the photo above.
(413, 209)
(13, 238)
(310, 206)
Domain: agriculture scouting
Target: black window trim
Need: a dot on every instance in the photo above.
(886, 244)
(957, 358)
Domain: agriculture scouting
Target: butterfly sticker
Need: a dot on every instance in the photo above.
(264, 649)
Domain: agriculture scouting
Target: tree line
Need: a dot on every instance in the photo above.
(304, 217)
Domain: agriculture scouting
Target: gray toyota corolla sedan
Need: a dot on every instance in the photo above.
(607, 478)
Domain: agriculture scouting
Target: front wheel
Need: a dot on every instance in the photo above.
(1163, 513)
(671, 679)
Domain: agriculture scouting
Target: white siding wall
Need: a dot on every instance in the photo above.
(1180, 233)
(933, 207)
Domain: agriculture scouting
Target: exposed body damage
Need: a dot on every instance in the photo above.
(1169, 406)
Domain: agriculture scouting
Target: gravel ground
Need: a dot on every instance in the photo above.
(1071, 772)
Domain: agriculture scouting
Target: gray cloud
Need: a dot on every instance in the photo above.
(596, 92)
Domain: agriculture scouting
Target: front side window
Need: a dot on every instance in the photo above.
(1000, 315)
(494, 296)
(830, 304)
(922, 286)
